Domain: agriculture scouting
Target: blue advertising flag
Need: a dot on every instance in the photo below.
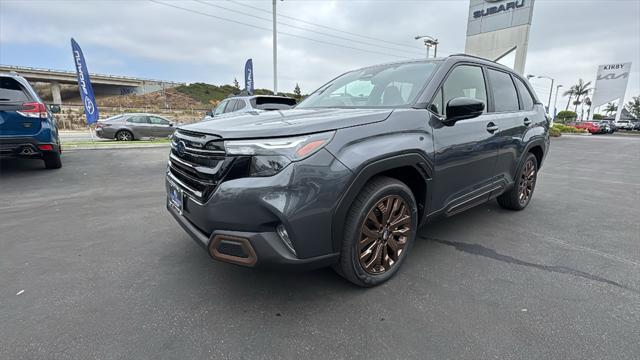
(248, 76)
(84, 84)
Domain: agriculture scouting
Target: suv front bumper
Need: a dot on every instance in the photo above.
(237, 224)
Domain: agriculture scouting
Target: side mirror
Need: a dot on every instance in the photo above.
(54, 108)
(209, 113)
(170, 124)
(463, 108)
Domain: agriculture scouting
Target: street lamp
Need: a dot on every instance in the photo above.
(550, 91)
(429, 41)
(555, 102)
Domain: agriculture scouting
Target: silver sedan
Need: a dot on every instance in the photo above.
(127, 127)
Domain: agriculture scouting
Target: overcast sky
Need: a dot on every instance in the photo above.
(569, 38)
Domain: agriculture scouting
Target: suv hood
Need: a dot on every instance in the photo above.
(287, 123)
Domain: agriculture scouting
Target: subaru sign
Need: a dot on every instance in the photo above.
(491, 15)
(84, 84)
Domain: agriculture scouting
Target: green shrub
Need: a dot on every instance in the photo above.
(554, 132)
(567, 129)
(566, 116)
(597, 116)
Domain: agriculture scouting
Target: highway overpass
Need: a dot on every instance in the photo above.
(103, 85)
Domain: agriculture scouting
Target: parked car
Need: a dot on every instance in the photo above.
(609, 126)
(346, 177)
(636, 126)
(624, 124)
(28, 128)
(134, 126)
(243, 104)
(590, 126)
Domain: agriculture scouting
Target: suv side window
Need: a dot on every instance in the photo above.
(505, 97)
(230, 106)
(220, 108)
(463, 81)
(240, 104)
(525, 95)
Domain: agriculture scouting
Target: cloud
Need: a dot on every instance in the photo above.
(569, 39)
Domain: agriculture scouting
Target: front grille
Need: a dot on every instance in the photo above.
(198, 162)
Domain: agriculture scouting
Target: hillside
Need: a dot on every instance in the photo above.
(212, 94)
(169, 99)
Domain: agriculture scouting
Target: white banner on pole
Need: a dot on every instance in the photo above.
(611, 84)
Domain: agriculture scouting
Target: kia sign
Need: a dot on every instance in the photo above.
(84, 84)
(611, 84)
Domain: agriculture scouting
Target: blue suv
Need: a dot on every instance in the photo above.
(28, 128)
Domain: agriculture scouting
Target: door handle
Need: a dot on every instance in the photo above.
(527, 122)
(491, 127)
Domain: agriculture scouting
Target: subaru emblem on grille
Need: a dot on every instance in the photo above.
(181, 148)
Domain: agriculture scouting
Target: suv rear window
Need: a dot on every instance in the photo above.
(272, 103)
(505, 97)
(525, 95)
(12, 91)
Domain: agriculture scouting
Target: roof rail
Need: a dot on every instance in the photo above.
(472, 56)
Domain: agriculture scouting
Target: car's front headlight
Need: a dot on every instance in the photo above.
(270, 156)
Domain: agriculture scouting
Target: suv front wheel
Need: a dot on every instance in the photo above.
(380, 230)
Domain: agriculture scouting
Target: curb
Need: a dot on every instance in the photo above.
(113, 147)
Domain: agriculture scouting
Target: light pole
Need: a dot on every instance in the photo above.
(429, 41)
(550, 90)
(555, 102)
(275, 52)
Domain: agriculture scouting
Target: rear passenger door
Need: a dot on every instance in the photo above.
(513, 110)
(465, 152)
(140, 126)
(161, 127)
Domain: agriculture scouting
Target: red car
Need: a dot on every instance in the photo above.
(593, 128)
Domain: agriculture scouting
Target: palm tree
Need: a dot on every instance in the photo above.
(578, 90)
(611, 108)
(568, 93)
(587, 101)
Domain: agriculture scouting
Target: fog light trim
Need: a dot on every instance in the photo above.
(284, 237)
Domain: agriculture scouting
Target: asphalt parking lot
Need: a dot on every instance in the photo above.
(108, 274)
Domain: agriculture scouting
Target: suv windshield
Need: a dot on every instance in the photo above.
(391, 85)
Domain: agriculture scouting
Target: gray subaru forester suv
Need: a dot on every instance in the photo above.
(346, 178)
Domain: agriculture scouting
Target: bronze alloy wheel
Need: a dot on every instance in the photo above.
(527, 181)
(384, 234)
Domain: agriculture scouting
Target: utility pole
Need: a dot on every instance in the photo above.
(275, 52)
(555, 102)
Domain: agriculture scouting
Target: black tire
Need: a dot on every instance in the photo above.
(378, 191)
(52, 160)
(520, 195)
(124, 135)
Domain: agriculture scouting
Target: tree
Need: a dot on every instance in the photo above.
(570, 94)
(587, 101)
(236, 85)
(297, 92)
(566, 116)
(633, 107)
(610, 108)
(578, 90)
